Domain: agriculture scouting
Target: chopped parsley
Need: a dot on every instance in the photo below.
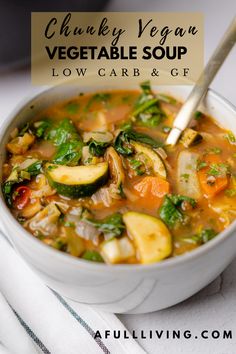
(198, 115)
(214, 150)
(201, 165)
(218, 169)
(230, 192)
(185, 177)
(202, 237)
(231, 137)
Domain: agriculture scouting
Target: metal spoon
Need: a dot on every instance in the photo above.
(199, 90)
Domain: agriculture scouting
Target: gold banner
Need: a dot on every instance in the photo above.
(129, 47)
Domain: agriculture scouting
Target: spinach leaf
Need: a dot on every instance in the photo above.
(202, 237)
(177, 200)
(123, 142)
(111, 226)
(63, 133)
(24, 130)
(69, 153)
(65, 136)
(72, 107)
(7, 190)
(42, 127)
(98, 97)
(97, 148)
(16, 177)
(35, 168)
(207, 235)
(147, 109)
(170, 213)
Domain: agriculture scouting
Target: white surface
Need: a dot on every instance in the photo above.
(215, 306)
(62, 326)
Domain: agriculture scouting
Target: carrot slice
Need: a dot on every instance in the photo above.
(220, 183)
(152, 190)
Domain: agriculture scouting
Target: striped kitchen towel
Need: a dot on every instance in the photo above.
(36, 319)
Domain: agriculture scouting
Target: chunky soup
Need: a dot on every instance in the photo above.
(93, 178)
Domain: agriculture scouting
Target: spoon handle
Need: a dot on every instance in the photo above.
(200, 88)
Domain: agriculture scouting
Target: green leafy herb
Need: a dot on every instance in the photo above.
(201, 165)
(126, 125)
(230, 192)
(112, 225)
(72, 107)
(98, 97)
(63, 132)
(60, 244)
(214, 150)
(51, 167)
(7, 190)
(97, 148)
(202, 237)
(147, 109)
(170, 213)
(65, 136)
(166, 98)
(93, 256)
(146, 87)
(231, 137)
(69, 153)
(123, 142)
(185, 177)
(177, 200)
(42, 127)
(137, 166)
(198, 115)
(35, 168)
(218, 169)
(25, 129)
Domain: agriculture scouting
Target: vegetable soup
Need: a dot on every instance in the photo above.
(92, 177)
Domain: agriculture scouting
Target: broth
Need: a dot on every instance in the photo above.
(92, 177)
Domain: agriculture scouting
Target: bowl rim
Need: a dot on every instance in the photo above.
(171, 262)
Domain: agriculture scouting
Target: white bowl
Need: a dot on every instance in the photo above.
(121, 288)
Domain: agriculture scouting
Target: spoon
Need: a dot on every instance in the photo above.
(200, 88)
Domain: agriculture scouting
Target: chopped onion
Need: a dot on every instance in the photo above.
(100, 137)
(161, 152)
(27, 163)
(102, 196)
(87, 231)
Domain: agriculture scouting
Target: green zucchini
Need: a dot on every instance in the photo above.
(158, 164)
(77, 181)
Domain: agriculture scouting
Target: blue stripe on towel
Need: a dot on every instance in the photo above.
(31, 333)
(82, 322)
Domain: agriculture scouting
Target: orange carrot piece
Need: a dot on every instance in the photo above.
(152, 189)
(221, 182)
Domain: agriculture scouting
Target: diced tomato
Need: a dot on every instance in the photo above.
(21, 197)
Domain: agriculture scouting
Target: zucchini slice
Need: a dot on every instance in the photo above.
(116, 169)
(77, 181)
(158, 164)
(152, 238)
